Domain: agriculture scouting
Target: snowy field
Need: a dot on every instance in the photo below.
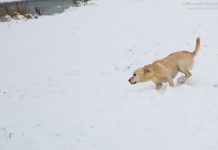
(64, 79)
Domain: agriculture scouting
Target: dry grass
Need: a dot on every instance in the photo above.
(78, 2)
(14, 10)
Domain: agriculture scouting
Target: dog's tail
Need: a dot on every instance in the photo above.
(197, 47)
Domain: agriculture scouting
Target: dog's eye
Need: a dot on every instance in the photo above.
(134, 74)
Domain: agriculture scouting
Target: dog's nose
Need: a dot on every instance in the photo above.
(129, 81)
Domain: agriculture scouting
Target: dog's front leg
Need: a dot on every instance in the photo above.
(158, 85)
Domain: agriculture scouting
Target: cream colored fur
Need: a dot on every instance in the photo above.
(164, 70)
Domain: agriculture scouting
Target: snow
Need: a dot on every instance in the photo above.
(64, 79)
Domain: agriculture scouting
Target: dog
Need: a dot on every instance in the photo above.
(165, 70)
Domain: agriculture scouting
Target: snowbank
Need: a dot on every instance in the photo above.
(64, 79)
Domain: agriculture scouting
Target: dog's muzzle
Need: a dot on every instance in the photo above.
(131, 82)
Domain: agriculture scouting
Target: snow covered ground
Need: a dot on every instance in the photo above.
(64, 79)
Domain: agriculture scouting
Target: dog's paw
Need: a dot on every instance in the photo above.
(181, 80)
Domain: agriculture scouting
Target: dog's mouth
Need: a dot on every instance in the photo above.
(132, 82)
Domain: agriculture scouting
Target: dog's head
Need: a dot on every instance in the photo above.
(142, 74)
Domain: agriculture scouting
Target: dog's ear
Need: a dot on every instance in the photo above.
(146, 69)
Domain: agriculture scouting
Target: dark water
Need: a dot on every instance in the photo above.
(44, 7)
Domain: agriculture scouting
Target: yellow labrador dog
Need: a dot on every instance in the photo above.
(164, 70)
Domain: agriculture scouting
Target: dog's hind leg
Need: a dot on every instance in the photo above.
(183, 78)
(184, 68)
(187, 74)
(170, 81)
